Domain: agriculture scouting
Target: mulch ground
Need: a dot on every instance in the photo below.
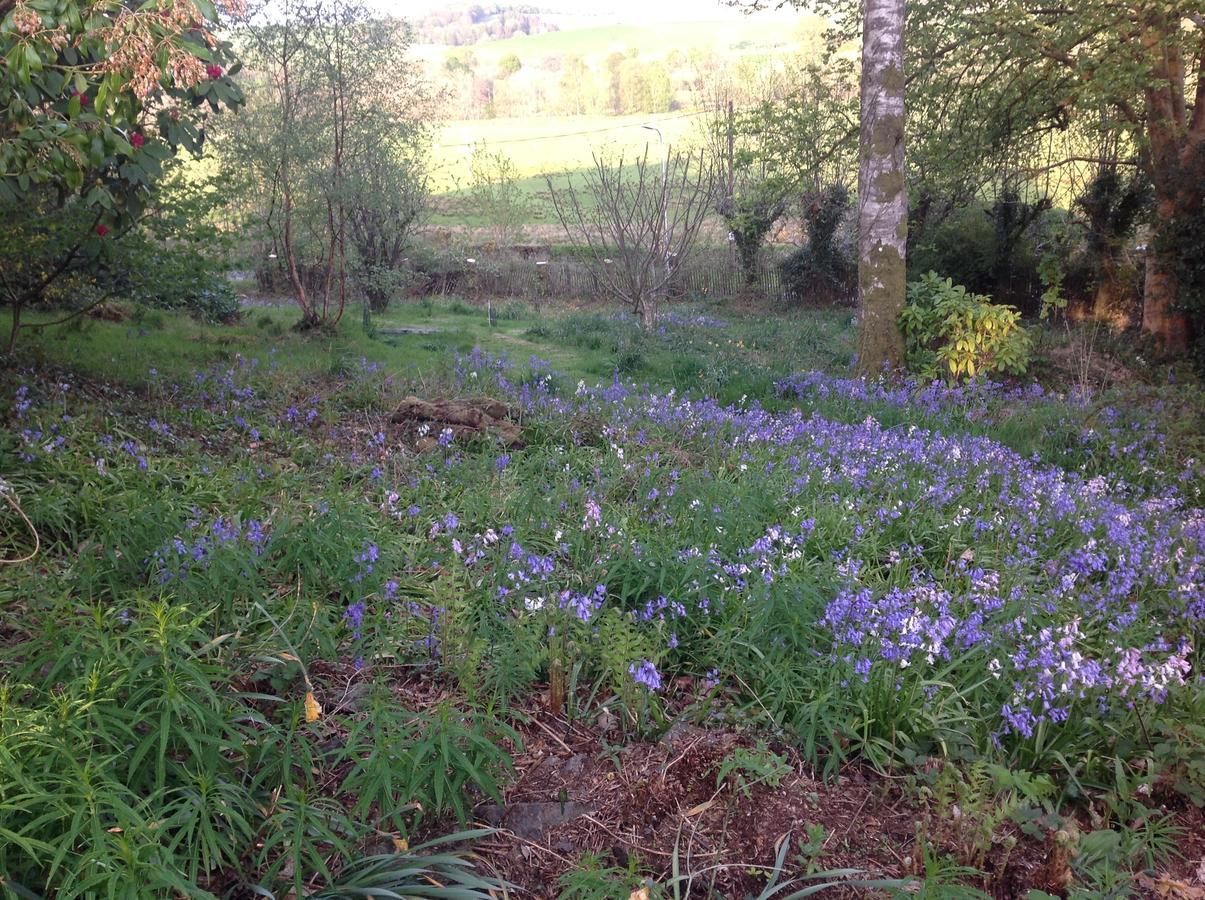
(667, 802)
(580, 788)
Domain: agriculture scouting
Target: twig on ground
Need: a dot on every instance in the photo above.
(7, 492)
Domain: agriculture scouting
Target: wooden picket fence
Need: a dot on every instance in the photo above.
(707, 274)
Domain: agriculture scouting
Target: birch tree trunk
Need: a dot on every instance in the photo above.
(882, 193)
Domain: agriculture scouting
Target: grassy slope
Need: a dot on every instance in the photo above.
(739, 361)
(177, 345)
(540, 144)
(554, 143)
(752, 33)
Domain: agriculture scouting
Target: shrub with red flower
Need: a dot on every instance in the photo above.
(65, 162)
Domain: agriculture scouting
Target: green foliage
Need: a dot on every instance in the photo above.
(132, 755)
(802, 133)
(302, 831)
(87, 129)
(177, 257)
(509, 65)
(824, 267)
(1112, 207)
(1052, 271)
(79, 121)
(748, 766)
(1178, 748)
(496, 195)
(644, 86)
(592, 879)
(990, 248)
(333, 189)
(750, 215)
(971, 805)
(455, 750)
(417, 872)
(955, 334)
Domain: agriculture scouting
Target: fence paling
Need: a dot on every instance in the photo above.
(708, 274)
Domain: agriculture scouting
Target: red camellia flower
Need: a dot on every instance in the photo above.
(102, 230)
(214, 72)
(137, 140)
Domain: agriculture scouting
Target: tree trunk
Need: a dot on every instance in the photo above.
(1160, 315)
(882, 193)
(16, 327)
(1108, 304)
(648, 313)
(1176, 159)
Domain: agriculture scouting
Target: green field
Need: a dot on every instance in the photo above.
(179, 344)
(750, 34)
(551, 144)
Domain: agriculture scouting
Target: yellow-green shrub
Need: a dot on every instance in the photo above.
(952, 333)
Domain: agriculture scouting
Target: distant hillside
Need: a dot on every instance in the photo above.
(591, 68)
(468, 25)
(749, 35)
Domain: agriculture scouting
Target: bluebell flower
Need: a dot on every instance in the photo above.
(646, 674)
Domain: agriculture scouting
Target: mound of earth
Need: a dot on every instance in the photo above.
(468, 420)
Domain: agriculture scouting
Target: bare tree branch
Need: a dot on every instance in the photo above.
(637, 221)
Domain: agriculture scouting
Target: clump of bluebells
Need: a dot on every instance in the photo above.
(481, 369)
(688, 320)
(645, 674)
(975, 399)
(202, 543)
(1076, 427)
(1070, 593)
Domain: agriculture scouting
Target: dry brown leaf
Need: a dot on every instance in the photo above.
(1166, 886)
(641, 894)
(313, 709)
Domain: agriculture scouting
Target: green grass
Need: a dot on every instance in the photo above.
(590, 346)
(455, 207)
(555, 144)
(734, 36)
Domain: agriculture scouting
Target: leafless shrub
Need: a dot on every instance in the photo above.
(636, 221)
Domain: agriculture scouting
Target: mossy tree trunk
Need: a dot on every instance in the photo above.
(1176, 159)
(882, 193)
(1106, 306)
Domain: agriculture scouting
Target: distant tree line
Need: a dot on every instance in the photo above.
(462, 26)
(623, 83)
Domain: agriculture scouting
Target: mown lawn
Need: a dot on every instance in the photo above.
(695, 611)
